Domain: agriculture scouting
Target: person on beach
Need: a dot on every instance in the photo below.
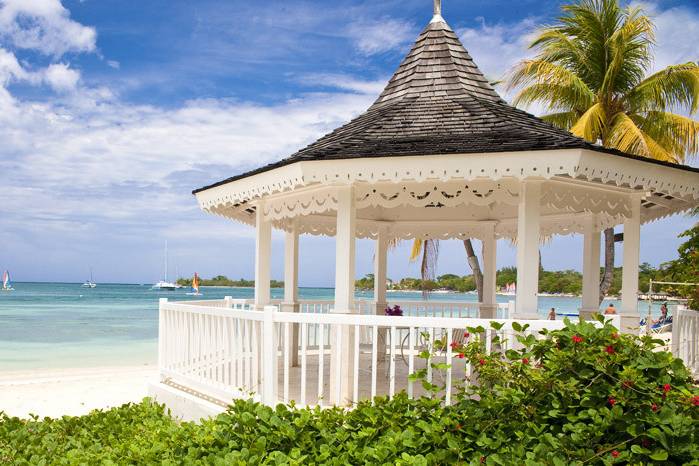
(611, 310)
(663, 314)
(552, 314)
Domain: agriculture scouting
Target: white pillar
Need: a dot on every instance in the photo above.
(489, 306)
(344, 251)
(629, 277)
(341, 359)
(591, 269)
(528, 220)
(263, 252)
(290, 302)
(380, 256)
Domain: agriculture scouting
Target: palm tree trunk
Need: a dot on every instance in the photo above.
(475, 268)
(608, 273)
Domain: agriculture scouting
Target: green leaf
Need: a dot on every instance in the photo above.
(659, 455)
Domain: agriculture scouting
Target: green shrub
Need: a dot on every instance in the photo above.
(582, 395)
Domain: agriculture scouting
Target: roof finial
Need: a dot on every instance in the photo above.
(437, 11)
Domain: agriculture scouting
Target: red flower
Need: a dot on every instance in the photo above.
(454, 345)
(615, 335)
(481, 362)
(695, 400)
(610, 349)
(461, 355)
(466, 334)
(525, 361)
(654, 407)
(667, 387)
(577, 339)
(615, 454)
(612, 401)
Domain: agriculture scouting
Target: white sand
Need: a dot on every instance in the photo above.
(58, 392)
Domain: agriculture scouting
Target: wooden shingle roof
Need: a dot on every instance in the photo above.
(437, 102)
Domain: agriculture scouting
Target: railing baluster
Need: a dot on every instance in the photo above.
(304, 342)
(429, 359)
(488, 341)
(355, 371)
(448, 360)
(392, 380)
(411, 358)
(321, 362)
(374, 347)
(287, 366)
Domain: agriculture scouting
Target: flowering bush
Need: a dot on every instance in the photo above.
(394, 311)
(581, 394)
(552, 401)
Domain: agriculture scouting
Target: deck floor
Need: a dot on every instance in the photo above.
(315, 396)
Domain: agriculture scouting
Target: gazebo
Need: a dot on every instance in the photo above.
(441, 155)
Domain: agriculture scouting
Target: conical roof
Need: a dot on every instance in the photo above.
(437, 102)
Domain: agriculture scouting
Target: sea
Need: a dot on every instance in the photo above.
(63, 325)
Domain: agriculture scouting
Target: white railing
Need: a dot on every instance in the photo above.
(685, 338)
(279, 357)
(458, 309)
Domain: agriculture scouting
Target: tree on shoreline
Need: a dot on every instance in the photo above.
(591, 74)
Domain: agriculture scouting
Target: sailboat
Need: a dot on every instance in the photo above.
(6, 284)
(164, 285)
(195, 286)
(89, 283)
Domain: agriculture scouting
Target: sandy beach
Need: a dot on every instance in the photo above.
(59, 392)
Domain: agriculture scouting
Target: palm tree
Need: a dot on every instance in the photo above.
(591, 73)
(428, 250)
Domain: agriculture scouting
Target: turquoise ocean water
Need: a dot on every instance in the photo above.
(56, 325)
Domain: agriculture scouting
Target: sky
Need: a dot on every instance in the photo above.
(111, 112)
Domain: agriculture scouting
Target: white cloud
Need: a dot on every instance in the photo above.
(44, 26)
(345, 83)
(378, 36)
(496, 48)
(61, 78)
(677, 34)
(10, 69)
(114, 64)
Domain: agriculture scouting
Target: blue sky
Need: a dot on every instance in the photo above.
(111, 112)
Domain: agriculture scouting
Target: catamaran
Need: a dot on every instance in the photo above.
(165, 285)
(6, 284)
(89, 283)
(195, 286)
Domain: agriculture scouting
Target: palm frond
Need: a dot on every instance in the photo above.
(626, 136)
(676, 86)
(678, 134)
(565, 87)
(416, 250)
(590, 125)
(629, 53)
(563, 120)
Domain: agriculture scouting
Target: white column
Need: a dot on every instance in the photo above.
(290, 302)
(528, 220)
(380, 256)
(489, 252)
(263, 252)
(629, 277)
(344, 251)
(591, 269)
(341, 359)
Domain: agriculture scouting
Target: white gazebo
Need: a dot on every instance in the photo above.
(438, 155)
